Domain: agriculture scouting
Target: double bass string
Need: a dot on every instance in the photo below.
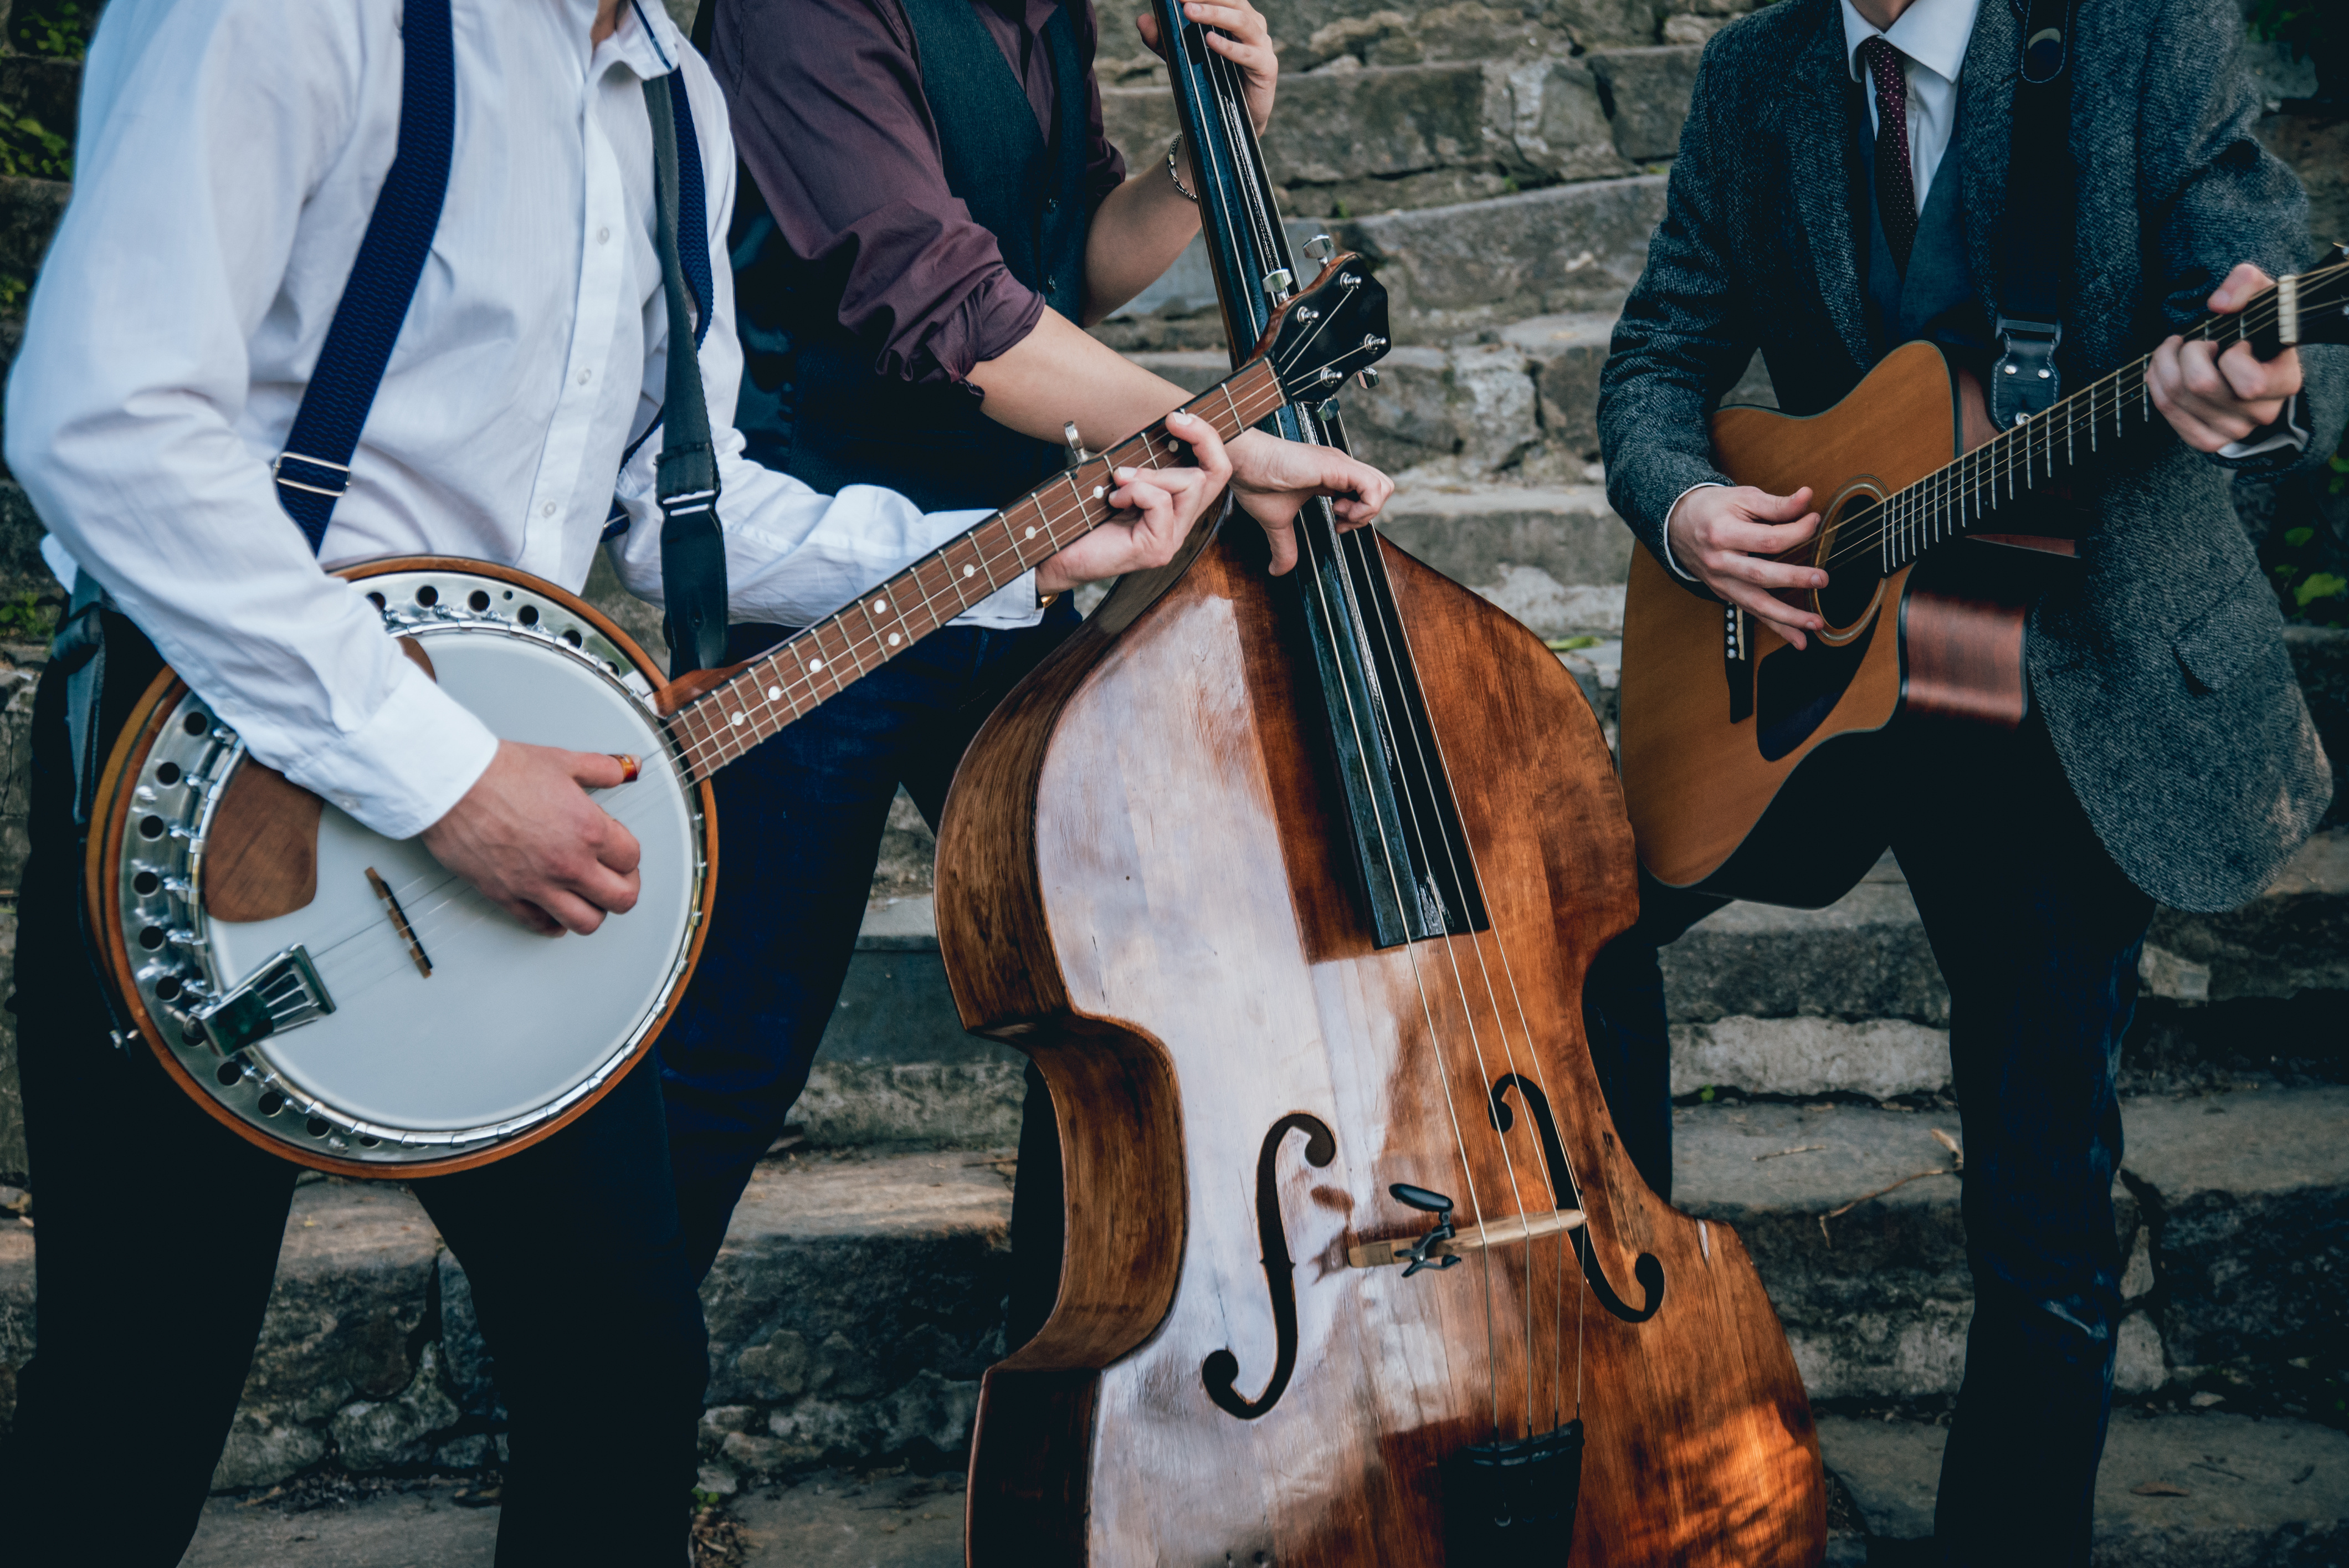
(1261, 223)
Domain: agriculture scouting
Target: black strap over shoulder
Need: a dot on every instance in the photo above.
(693, 545)
(2035, 251)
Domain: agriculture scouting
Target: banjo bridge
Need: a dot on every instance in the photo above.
(284, 993)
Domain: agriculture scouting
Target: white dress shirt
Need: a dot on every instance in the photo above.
(228, 157)
(1932, 36)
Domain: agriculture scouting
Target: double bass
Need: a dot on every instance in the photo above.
(1288, 887)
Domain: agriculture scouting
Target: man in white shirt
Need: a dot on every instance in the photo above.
(231, 154)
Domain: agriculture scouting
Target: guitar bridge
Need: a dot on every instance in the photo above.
(284, 993)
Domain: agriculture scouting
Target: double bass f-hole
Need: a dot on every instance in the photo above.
(1221, 1370)
(1644, 1269)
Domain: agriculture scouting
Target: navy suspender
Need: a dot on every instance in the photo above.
(314, 469)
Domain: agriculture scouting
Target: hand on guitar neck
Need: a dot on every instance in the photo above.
(527, 836)
(2212, 399)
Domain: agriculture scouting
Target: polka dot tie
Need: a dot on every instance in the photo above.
(1896, 183)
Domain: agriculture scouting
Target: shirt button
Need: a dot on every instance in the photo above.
(1051, 285)
(586, 375)
(347, 801)
(547, 510)
(603, 235)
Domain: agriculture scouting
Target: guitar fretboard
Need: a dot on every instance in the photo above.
(1968, 493)
(797, 675)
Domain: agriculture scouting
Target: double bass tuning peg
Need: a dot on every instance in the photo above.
(1321, 248)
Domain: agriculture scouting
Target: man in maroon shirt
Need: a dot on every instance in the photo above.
(931, 218)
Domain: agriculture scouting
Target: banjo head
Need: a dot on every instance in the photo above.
(399, 1022)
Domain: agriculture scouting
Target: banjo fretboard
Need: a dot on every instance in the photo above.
(806, 670)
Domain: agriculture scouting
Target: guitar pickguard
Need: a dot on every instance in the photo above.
(1794, 690)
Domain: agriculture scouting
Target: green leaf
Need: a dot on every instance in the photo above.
(2298, 536)
(1705, 1094)
(1568, 644)
(2320, 585)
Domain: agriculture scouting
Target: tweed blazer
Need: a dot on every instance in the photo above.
(2160, 668)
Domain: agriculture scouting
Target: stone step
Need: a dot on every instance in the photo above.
(860, 1295)
(2201, 1489)
(1763, 1001)
(2188, 1490)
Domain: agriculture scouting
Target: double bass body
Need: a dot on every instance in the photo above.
(1140, 884)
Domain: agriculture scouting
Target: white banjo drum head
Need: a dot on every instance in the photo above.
(399, 1019)
(509, 1020)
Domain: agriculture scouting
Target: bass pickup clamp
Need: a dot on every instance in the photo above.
(1447, 1244)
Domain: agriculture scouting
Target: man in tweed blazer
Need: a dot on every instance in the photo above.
(2169, 755)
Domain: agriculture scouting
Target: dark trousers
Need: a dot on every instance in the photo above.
(156, 1243)
(2037, 933)
(799, 824)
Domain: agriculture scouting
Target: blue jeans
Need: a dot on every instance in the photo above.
(2037, 933)
(799, 823)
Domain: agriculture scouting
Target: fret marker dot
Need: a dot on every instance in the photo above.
(815, 664)
(737, 719)
(1030, 533)
(893, 639)
(970, 571)
(774, 694)
(1100, 490)
(879, 605)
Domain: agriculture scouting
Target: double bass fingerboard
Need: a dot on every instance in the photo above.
(807, 669)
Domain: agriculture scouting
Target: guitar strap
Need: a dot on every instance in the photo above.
(2035, 249)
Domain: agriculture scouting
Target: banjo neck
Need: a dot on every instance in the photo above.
(716, 716)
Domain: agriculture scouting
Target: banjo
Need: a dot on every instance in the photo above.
(341, 999)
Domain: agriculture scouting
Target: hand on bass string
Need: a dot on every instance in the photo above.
(1238, 32)
(527, 836)
(2210, 398)
(1164, 502)
(1726, 536)
(1274, 479)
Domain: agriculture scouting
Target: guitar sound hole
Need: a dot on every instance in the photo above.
(1852, 577)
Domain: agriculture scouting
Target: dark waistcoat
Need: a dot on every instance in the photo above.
(811, 403)
(1933, 297)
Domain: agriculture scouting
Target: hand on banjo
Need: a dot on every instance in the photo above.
(527, 836)
(1164, 502)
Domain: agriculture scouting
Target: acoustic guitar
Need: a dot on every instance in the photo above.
(1744, 759)
(342, 999)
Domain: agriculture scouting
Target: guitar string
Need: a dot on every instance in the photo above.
(1996, 460)
(1225, 88)
(1921, 509)
(2003, 456)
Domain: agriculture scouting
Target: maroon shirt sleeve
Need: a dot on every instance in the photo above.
(825, 97)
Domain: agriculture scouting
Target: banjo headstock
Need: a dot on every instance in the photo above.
(1334, 327)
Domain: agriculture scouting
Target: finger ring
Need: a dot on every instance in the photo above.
(630, 768)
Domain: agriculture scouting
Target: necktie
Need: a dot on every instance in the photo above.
(1896, 185)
